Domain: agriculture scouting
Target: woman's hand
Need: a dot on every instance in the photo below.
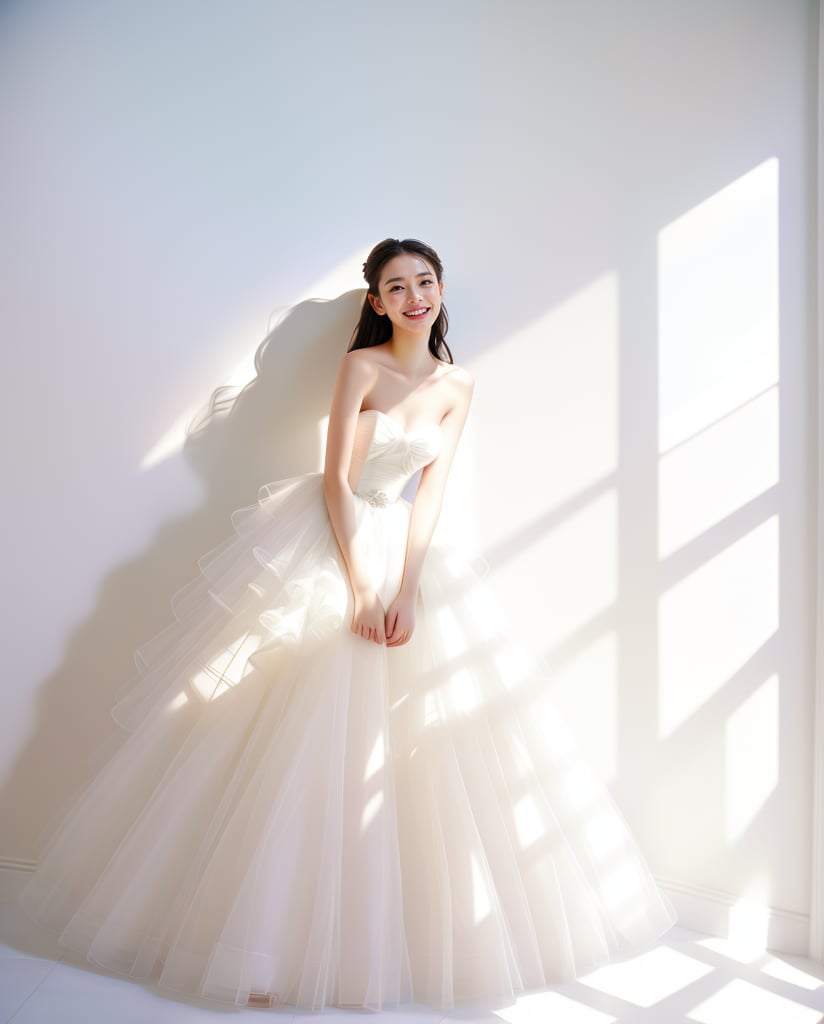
(400, 619)
(368, 619)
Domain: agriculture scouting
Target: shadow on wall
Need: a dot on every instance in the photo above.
(269, 431)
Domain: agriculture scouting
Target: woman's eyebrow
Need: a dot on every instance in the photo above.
(423, 273)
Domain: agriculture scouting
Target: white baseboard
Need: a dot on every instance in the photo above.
(12, 875)
(727, 916)
(700, 909)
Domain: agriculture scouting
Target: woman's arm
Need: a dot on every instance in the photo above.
(355, 377)
(426, 508)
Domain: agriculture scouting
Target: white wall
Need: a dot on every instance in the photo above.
(623, 196)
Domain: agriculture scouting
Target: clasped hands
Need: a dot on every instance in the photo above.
(392, 627)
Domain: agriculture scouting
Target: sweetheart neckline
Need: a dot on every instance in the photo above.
(394, 422)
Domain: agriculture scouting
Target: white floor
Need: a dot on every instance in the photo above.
(686, 978)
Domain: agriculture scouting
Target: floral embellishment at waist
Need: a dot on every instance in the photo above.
(378, 499)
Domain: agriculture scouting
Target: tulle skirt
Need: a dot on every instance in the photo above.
(297, 816)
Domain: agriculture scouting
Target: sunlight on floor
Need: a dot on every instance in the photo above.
(783, 971)
(649, 978)
(743, 950)
(546, 1007)
(686, 979)
(740, 1000)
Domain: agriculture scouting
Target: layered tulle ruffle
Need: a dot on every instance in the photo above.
(300, 815)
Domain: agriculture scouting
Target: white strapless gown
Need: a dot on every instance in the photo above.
(298, 815)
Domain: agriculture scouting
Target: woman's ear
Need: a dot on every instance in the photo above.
(376, 304)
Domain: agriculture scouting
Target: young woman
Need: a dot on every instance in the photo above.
(399, 368)
(342, 784)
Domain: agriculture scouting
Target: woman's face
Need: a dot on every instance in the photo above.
(409, 293)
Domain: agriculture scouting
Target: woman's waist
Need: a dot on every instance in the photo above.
(380, 492)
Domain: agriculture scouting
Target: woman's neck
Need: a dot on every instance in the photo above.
(411, 353)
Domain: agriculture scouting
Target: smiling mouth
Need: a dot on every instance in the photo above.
(416, 314)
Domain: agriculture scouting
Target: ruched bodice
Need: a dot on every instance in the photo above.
(394, 456)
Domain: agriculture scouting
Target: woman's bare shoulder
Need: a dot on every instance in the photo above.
(360, 363)
(462, 376)
(372, 354)
(457, 385)
(459, 378)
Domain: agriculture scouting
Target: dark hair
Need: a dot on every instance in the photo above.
(373, 329)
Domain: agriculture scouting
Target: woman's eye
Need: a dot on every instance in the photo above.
(395, 288)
